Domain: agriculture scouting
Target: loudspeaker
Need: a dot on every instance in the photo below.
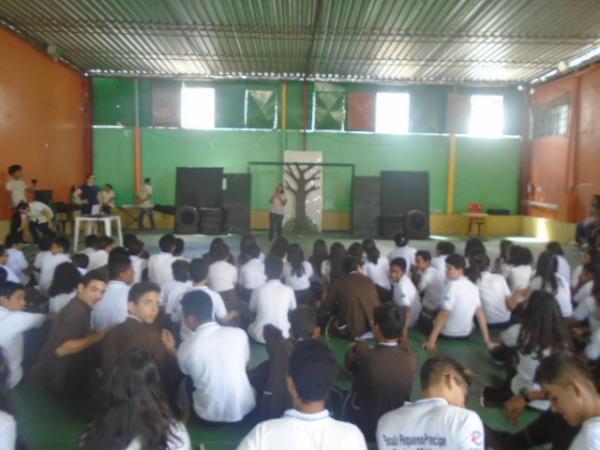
(236, 203)
(365, 206)
(44, 195)
(200, 187)
(187, 220)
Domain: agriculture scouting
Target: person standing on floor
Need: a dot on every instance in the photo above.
(144, 202)
(277, 211)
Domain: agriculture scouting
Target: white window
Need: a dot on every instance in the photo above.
(392, 112)
(197, 107)
(487, 115)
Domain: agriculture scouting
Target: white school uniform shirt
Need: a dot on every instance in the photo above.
(525, 370)
(112, 309)
(47, 271)
(519, 277)
(18, 191)
(39, 212)
(166, 289)
(461, 301)
(10, 274)
(493, 291)
(379, 273)
(98, 258)
(18, 263)
(575, 276)
(587, 310)
(174, 294)
(252, 274)
(300, 431)
(215, 357)
(8, 431)
(107, 198)
(563, 293)
(40, 257)
(429, 424)
(406, 252)
(139, 265)
(583, 292)
(592, 350)
(588, 437)
(439, 262)
(145, 192)
(12, 326)
(271, 302)
(219, 311)
(58, 302)
(278, 204)
(222, 276)
(180, 439)
(564, 269)
(159, 268)
(432, 287)
(405, 294)
(298, 283)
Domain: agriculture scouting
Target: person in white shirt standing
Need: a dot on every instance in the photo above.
(252, 273)
(277, 211)
(431, 287)
(271, 302)
(112, 309)
(405, 295)
(159, 265)
(144, 202)
(16, 186)
(570, 386)
(58, 250)
(312, 373)
(215, 358)
(460, 305)
(403, 250)
(16, 259)
(439, 419)
(14, 322)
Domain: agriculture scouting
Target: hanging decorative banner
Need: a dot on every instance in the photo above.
(303, 184)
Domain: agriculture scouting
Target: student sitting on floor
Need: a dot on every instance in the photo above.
(16, 259)
(181, 283)
(99, 257)
(472, 246)
(58, 250)
(591, 255)
(431, 288)
(14, 322)
(493, 290)
(442, 250)
(271, 302)
(64, 286)
(520, 272)
(64, 363)
(138, 258)
(81, 261)
(252, 272)
(592, 349)
(137, 415)
(351, 301)
(316, 260)
(563, 268)
(313, 369)
(215, 358)
(439, 418)
(223, 277)
(140, 331)
(502, 262)
(297, 273)
(279, 247)
(541, 333)
(585, 314)
(377, 268)
(90, 242)
(179, 248)
(460, 305)
(405, 295)
(159, 265)
(112, 309)
(585, 284)
(333, 268)
(548, 279)
(10, 274)
(247, 242)
(43, 253)
(403, 250)
(382, 376)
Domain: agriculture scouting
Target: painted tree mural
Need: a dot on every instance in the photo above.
(303, 179)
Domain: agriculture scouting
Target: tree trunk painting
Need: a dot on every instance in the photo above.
(305, 177)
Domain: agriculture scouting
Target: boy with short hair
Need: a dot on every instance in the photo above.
(313, 369)
(112, 309)
(139, 259)
(90, 242)
(14, 322)
(252, 274)
(181, 283)
(10, 274)
(460, 305)
(58, 250)
(405, 295)
(159, 265)
(439, 418)
(223, 276)
(431, 287)
(144, 202)
(99, 257)
(443, 249)
(16, 259)
(16, 186)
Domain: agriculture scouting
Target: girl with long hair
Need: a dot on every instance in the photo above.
(63, 287)
(333, 267)
(378, 270)
(316, 260)
(297, 273)
(547, 279)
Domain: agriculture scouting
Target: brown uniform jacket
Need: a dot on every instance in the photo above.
(382, 380)
(352, 299)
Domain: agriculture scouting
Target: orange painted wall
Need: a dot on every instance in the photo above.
(43, 124)
(553, 158)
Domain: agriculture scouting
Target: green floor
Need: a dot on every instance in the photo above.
(48, 422)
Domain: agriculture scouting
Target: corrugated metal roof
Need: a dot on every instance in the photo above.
(438, 41)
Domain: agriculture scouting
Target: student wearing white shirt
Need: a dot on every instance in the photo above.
(10, 274)
(106, 199)
(587, 310)
(502, 263)
(181, 282)
(37, 216)
(271, 302)
(585, 282)
(439, 419)
(223, 276)
(431, 289)
(8, 424)
(14, 322)
(493, 290)
(591, 255)
(144, 202)
(16, 186)
(137, 411)
(312, 372)
(64, 286)
(297, 273)
(252, 273)
(563, 268)
(112, 309)
(43, 253)
(138, 258)
(403, 250)
(443, 249)
(460, 305)
(377, 268)
(405, 294)
(58, 250)
(90, 242)
(99, 257)
(548, 279)
(16, 259)
(215, 358)
(571, 388)
(159, 266)
(521, 271)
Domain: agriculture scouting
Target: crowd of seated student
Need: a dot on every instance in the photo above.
(197, 318)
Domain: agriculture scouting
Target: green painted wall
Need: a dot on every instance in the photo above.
(114, 161)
